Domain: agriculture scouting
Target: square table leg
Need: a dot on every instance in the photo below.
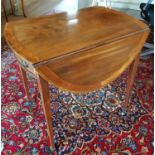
(44, 92)
(24, 79)
(131, 77)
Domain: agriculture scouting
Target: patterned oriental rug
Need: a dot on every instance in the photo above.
(85, 124)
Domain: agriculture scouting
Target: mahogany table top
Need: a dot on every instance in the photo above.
(82, 51)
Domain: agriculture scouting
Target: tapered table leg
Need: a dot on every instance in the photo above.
(22, 3)
(3, 5)
(44, 91)
(24, 79)
(131, 76)
(12, 8)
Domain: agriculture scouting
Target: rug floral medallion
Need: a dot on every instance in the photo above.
(94, 123)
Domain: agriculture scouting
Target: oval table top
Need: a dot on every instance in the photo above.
(81, 51)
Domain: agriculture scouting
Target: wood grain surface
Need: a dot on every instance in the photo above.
(77, 52)
(44, 92)
(92, 69)
(80, 52)
(43, 38)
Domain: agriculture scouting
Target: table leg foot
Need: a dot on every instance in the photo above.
(130, 80)
(24, 79)
(44, 92)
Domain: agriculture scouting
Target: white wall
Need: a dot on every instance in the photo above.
(132, 4)
(40, 7)
(84, 3)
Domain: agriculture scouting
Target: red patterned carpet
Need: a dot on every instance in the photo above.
(84, 124)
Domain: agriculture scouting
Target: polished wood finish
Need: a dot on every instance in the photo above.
(131, 76)
(4, 10)
(23, 10)
(24, 80)
(133, 68)
(44, 92)
(92, 69)
(63, 34)
(77, 52)
(12, 8)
